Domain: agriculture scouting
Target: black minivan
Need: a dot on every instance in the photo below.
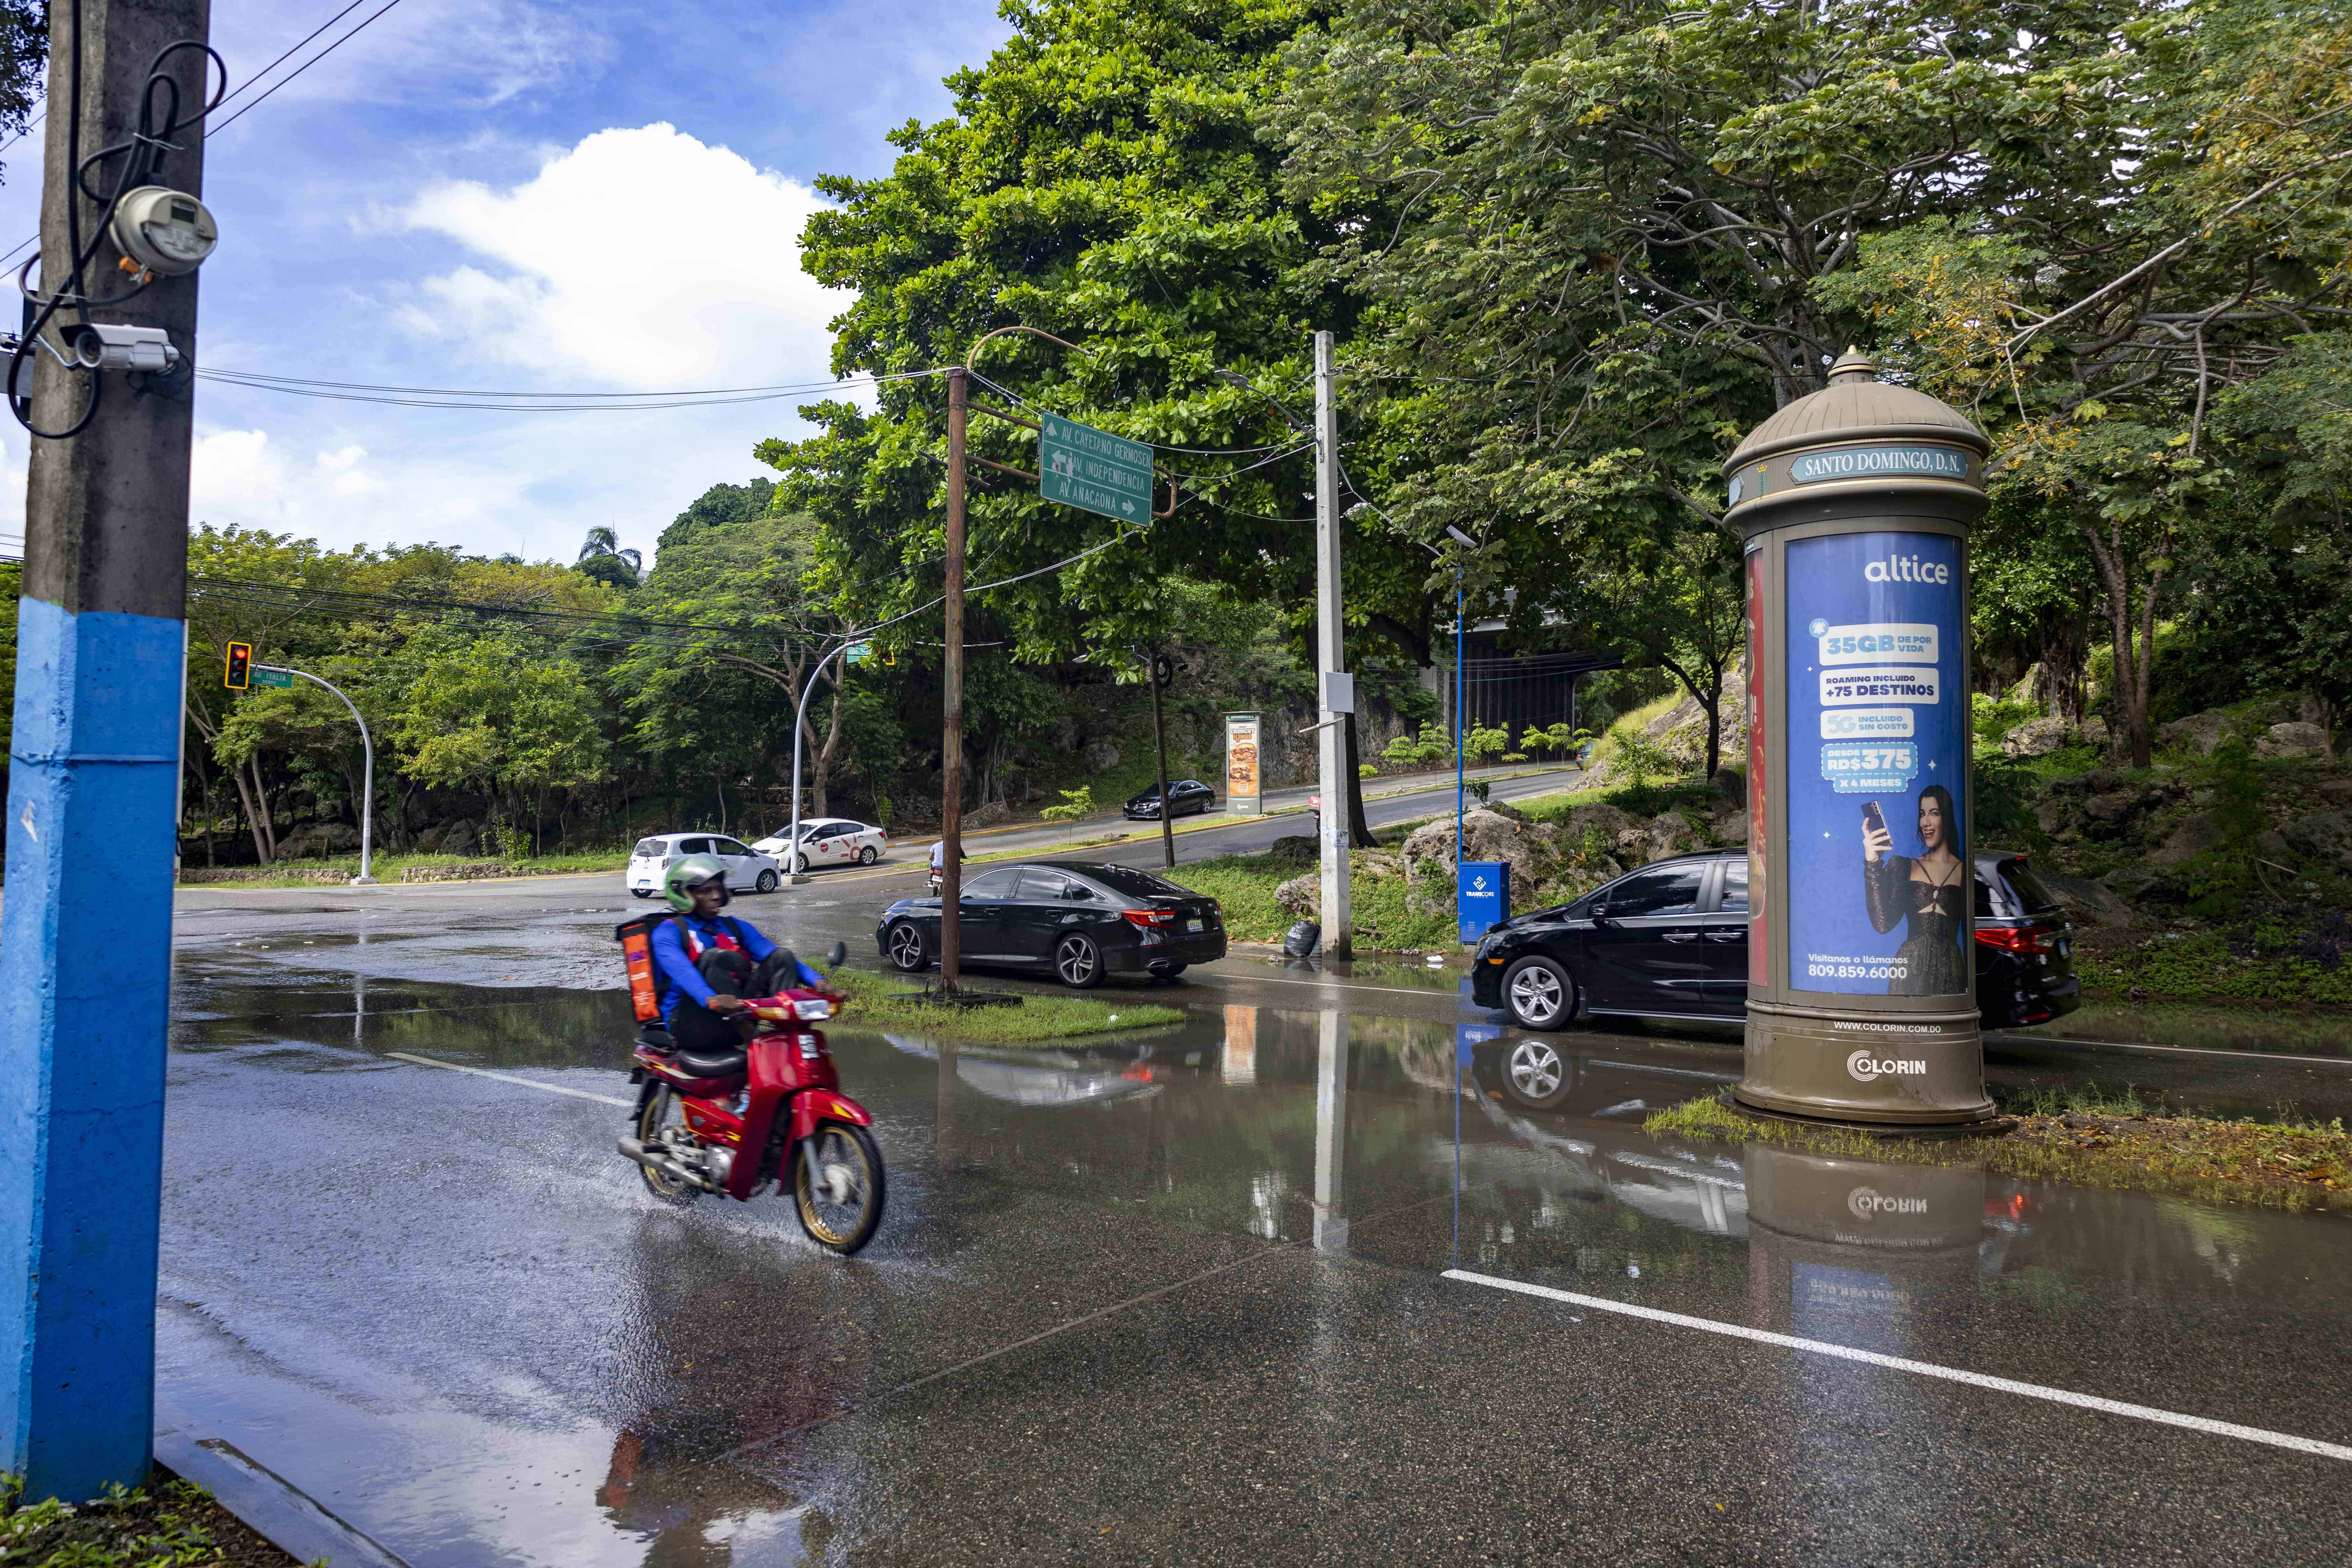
(1081, 922)
(1670, 941)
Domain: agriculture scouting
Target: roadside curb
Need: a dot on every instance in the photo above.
(268, 1504)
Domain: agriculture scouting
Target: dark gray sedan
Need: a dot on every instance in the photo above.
(1078, 922)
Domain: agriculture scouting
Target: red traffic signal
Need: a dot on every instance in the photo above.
(238, 674)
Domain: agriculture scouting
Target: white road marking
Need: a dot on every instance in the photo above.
(1922, 1368)
(2012, 1038)
(510, 1077)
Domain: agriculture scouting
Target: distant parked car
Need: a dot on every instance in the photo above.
(829, 841)
(747, 870)
(1670, 941)
(1184, 795)
(1080, 922)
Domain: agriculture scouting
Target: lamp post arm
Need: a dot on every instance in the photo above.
(793, 838)
(367, 785)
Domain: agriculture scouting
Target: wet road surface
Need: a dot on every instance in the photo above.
(1182, 1300)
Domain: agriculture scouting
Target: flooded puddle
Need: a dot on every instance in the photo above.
(446, 1307)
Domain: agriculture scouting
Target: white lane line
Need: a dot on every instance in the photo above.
(1922, 1368)
(2010, 1037)
(510, 1077)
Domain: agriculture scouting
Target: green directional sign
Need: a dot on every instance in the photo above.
(264, 675)
(857, 653)
(1080, 466)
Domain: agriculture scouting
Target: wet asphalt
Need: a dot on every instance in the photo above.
(1185, 1298)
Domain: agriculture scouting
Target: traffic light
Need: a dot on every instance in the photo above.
(237, 675)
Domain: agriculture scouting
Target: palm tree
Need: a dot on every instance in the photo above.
(604, 559)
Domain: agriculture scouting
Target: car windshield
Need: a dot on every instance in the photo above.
(1137, 884)
(650, 846)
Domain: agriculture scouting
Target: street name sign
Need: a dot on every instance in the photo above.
(264, 675)
(1092, 470)
(857, 653)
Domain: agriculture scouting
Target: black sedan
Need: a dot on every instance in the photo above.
(1183, 795)
(1670, 941)
(1081, 922)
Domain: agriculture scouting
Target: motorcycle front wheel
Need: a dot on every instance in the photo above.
(840, 1202)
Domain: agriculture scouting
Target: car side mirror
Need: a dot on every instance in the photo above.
(837, 957)
(1600, 915)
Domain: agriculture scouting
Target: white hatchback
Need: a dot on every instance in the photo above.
(747, 870)
(829, 841)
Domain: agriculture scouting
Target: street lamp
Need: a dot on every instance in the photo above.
(367, 786)
(1460, 784)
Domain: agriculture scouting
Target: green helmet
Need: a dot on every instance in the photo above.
(679, 882)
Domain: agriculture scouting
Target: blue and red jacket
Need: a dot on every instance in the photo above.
(678, 945)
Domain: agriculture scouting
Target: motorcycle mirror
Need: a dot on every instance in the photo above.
(838, 957)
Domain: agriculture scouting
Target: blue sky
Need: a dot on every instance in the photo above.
(512, 195)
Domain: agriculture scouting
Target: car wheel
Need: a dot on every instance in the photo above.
(1078, 962)
(799, 865)
(1536, 1074)
(640, 892)
(867, 856)
(909, 950)
(1539, 993)
(767, 882)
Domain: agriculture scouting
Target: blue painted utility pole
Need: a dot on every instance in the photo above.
(86, 938)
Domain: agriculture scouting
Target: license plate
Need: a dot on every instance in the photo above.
(1192, 925)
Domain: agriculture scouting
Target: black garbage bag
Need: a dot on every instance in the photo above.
(1302, 939)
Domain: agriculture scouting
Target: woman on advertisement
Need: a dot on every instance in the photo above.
(1929, 889)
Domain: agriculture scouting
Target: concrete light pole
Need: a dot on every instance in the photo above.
(1330, 660)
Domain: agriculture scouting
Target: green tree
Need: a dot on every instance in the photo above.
(603, 559)
(494, 711)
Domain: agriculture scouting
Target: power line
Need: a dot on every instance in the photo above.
(1020, 402)
(537, 402)
(306, 65)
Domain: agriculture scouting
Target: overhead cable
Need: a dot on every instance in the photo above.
(537, 402)
(306, 65)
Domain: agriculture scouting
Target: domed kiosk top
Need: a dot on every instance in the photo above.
(1856, 405)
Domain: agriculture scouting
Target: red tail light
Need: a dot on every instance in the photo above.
(1151, 919)
(2019, 939)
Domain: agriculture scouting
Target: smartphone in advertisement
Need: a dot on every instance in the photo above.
(1873, 819)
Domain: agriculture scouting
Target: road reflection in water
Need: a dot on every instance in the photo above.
(443, 1304)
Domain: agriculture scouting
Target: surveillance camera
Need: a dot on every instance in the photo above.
(103, 345)
(163, 231)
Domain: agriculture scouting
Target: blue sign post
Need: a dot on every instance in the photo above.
(1482, 896)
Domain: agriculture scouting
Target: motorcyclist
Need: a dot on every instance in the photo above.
(709, 962)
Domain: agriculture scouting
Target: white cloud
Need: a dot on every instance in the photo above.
(642, 257)
(236, 472)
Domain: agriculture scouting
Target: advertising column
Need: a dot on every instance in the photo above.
(1855, 503)
(1243, 789)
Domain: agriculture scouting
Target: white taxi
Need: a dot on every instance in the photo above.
(828, 841)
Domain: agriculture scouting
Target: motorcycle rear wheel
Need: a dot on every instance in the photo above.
(842, 1210)
(660, 1120)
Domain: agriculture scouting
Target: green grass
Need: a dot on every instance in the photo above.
(1244, 887)
(170, 1523)
(885, 1002)
(2087, 1138)
(388, 868)
(2259, 965)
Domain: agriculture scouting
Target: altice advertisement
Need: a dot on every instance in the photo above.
(1877, 737)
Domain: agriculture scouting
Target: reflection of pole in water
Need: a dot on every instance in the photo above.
(943, 1133)
(359, 1007)
(1240, 1063)
(1330, 1134)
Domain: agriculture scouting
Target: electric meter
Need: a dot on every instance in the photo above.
(164, 231)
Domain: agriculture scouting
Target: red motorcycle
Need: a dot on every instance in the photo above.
(733, 1121)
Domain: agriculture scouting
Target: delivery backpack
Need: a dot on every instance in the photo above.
(646, 983)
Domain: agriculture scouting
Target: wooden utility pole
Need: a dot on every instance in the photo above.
(1159, 740)
(86, 939)
(951, 680)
